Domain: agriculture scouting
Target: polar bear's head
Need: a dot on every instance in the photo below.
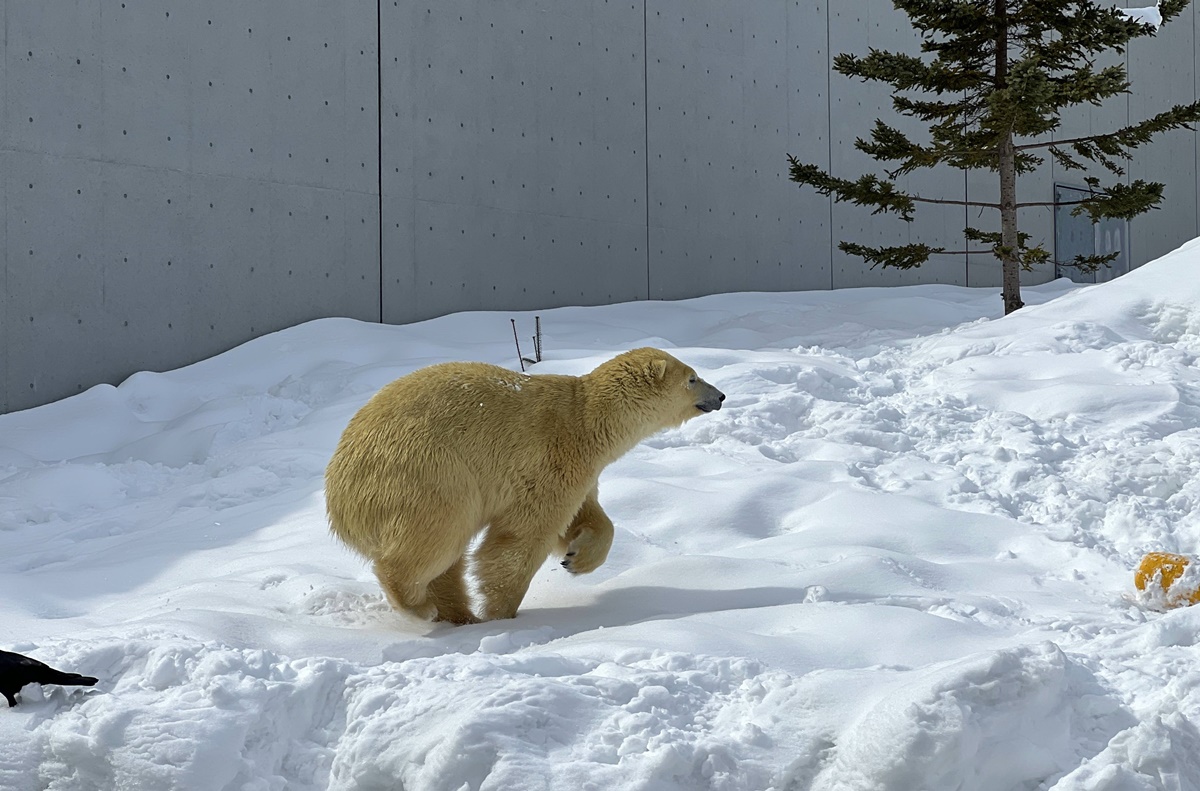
(663, 391)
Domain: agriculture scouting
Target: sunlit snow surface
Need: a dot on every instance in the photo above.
(899, 558)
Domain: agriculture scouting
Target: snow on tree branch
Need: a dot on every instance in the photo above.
(1147, 16)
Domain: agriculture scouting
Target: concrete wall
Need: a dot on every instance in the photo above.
(514, 145)
(732, 88)
(179, 177)
(1163, 74)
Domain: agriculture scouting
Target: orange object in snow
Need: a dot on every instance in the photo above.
(1167, 568)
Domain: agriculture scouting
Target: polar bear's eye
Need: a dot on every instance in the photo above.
(691, 380)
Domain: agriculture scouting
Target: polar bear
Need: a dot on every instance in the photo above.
(439, 455)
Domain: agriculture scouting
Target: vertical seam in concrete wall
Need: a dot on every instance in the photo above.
(829, 125)
(5, 318)
(379, 139)
(1128, 175)
(646, 124)
(966, 224)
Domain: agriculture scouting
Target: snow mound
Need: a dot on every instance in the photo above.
(1007, 719)
(180, 714)
(901, 556)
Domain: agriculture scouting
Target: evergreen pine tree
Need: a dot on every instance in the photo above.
(996, 77)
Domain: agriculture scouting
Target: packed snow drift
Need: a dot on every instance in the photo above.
(901, 557)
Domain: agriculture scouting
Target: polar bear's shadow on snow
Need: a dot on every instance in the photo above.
(642, 603)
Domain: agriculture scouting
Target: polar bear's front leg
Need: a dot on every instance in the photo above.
(512, 550)
(585, 545)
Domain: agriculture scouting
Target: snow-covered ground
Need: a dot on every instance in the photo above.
(899, 558)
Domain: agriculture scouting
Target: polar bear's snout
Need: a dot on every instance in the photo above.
(710, 397)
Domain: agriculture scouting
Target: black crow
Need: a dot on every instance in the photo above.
(16, 671)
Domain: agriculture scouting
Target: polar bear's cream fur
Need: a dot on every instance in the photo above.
(439, 455)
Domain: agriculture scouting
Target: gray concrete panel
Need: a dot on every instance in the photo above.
(1169, 158)
(1192, 18)
(398, 272)
(226, 260)
(358, 293)
(808, 108)
(147, 84)
(286, 96)
(398, 70)
(153, 243)
(4, 104)
(514, 155)
(57, 343)
(481, 258)
(267, 256)
(52, 77)
(523, 107)
(398, 124)
(235, 104)
(201, 174)
(205, 173)
(983, 185)
(305, 75)
(361, 90)
(721, 83)
(857, 27)
(6, 343)
(1086, 120)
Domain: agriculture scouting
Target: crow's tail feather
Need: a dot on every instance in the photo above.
(70, 679)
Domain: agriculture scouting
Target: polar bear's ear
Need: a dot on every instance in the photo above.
(657, 369)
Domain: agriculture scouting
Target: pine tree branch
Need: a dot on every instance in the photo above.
(1067, 142)
(1169, 9)
(979, 204)
(902, 257)
(1034, 204)
(1120, 201)
(1091, 263)
(996, 238)
(1133, 135)
(905, 72)
(1066, 161)
(869, 190)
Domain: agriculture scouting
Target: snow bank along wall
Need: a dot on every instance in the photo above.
(180, 177)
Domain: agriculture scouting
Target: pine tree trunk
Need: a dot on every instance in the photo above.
(1009, 238)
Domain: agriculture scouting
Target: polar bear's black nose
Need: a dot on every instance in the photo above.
(712, 399)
